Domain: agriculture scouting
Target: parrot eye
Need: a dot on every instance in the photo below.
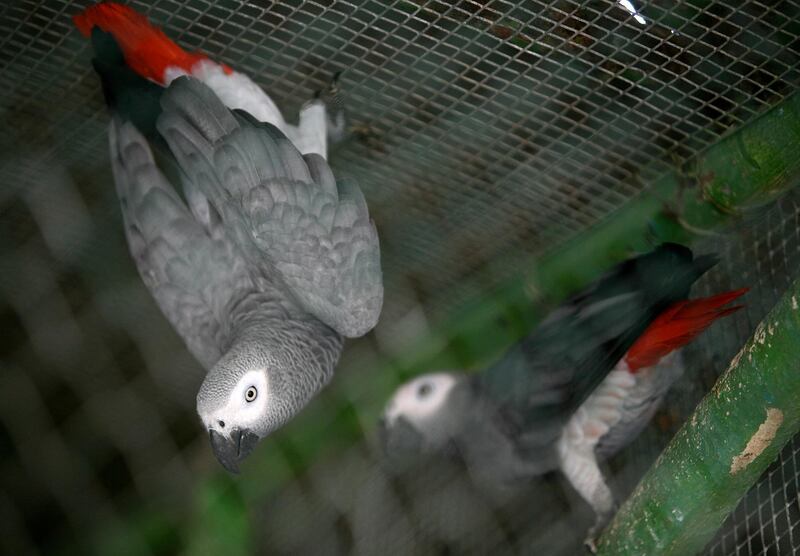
(424, 390)
(251, 394)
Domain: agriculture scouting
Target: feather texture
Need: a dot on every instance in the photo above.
(677, 326)
(316, 236)
(260, 266)
(194, 278)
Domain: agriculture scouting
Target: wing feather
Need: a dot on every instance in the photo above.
(193, 277)
(542, 380)
(286, 212)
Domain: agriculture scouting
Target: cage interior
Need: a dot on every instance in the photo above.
(485, 135)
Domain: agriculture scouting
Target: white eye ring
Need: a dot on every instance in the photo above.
(251, 394)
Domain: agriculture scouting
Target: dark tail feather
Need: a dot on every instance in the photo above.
(134, 98)
(574, 349)
(148, 51)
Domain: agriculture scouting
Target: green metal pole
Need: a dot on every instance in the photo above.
(737, 430)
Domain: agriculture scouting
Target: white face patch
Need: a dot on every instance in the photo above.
(245, 406)
(420, 399)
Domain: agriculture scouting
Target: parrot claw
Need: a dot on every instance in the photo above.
(329, 95)
(331, 98)
(333, 87)
(590, 542)
(314, 100)
(602, 519)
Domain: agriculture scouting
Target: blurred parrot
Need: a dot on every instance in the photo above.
(580, 387)
(264, 263)
(152, 55)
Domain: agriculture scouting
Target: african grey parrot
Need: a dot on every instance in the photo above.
(582, 385)
(263, 268)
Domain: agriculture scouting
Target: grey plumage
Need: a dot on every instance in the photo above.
(180, 262)
(610, 419)
(651, 385)
(315, 235)
(508, 422)
(263, 269)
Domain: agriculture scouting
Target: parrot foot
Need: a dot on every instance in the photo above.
(331, 92)
(600, 523)
(590, 542)
(331, 98)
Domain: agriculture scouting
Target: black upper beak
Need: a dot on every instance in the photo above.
(402, 444)
(232, 450)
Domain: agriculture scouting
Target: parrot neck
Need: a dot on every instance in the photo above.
(271, 322)
(298, 355)
(274, 326)
(266, 307)
(309, 333)
(267, 319)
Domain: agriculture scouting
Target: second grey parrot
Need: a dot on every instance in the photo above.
(577, 389)
(262, 266)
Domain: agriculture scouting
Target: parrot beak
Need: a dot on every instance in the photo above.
(401, 442)
(232, 450)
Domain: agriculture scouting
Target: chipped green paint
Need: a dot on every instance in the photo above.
(737, 430)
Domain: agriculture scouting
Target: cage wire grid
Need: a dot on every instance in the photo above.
(434, 508)
(484, 134)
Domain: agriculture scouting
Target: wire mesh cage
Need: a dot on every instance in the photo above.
(485, 135)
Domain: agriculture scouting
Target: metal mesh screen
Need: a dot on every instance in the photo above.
(483, 133)
(433, 508)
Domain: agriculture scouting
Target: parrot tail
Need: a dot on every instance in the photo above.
(677, 326)
(147, 50)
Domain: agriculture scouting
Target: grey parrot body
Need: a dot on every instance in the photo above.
(263, 268)
(562, 397)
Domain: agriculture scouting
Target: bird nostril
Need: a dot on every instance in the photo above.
(221, 424)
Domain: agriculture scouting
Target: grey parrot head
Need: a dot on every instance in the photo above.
(422, 416)
(256, 388)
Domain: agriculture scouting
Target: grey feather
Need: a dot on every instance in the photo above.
(321, 173)
(261, 269)
(641, 404)
(191, 276)
(279, 207)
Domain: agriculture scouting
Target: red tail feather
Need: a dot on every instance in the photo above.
(148, 51)
(677, 326)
